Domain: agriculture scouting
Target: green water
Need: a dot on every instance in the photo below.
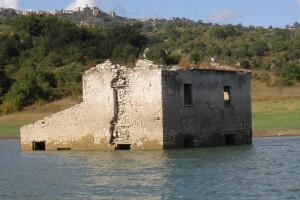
(268, 169)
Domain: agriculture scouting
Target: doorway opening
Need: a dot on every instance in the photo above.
(123, 146)
(230, 139)
(38, 146)
(188, 142)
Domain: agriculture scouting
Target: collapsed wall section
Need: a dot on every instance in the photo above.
(74, 128)
(84, 126)
(120, 107)
(139, 107)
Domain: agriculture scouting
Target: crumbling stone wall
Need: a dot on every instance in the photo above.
(146, 108)
(67, 129)
(138, 119)
(84, 126)
(120, 106)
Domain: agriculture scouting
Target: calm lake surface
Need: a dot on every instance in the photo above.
(268, 169)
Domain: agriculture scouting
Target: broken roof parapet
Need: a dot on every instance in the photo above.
(213, 68)
(145, 65)
(109, 66)
(223, 68)
(106, 65)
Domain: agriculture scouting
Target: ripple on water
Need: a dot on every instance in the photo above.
(267, 169)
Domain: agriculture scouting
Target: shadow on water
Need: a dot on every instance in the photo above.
(270, 167)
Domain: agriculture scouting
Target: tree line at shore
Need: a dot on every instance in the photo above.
(42, 58)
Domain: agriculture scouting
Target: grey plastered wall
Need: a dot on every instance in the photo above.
(207, 121)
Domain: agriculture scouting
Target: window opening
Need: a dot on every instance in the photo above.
(188, 142)
(227, 97)
(39, 146)
(230, 139)
(123, 147)
(188, 96)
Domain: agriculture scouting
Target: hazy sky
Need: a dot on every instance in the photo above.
(276, 13)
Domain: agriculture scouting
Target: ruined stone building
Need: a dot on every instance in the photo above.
(149, 107)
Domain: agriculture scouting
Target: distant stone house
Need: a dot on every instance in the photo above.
(149, 107)
(95, 11)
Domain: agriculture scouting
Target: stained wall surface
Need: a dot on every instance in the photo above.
(148, 107)
(138, 118)
(207, 120)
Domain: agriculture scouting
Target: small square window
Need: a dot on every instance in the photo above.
(227, 97)
(39, 146)
(188, 95)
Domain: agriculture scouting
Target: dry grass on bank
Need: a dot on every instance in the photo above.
(275, 111)
(10, 124)
(260, 91)
(274, 133)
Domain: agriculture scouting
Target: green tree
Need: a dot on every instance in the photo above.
(173, 59)
(31, 24)
(69, 79)
(5, 83)
(291, 71)
(23, 92)
(10, 47)
(195, 56)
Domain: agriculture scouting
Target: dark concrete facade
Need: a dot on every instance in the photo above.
(206, 108)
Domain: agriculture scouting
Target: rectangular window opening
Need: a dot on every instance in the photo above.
(123, 147)
(188, 142)
(227, 97)
(188, 95)
(38, 146)
(230, 139)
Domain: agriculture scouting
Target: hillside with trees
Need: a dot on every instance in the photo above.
(42, 57)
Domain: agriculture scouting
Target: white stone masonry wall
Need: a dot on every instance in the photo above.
(119, 104)
(140, 106)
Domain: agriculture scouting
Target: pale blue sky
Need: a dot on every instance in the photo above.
(276, 13)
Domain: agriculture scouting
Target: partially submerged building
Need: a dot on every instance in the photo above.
(149, 107)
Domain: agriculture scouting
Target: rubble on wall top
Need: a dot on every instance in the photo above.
(213, 68)
(226, 68)
(106, 65)
(145, 64)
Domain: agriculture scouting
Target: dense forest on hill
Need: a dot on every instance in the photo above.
(42, 58)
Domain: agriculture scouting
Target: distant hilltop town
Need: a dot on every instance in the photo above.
(85, 14)
(93, 10)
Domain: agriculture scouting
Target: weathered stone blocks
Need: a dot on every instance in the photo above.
(144, 108)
